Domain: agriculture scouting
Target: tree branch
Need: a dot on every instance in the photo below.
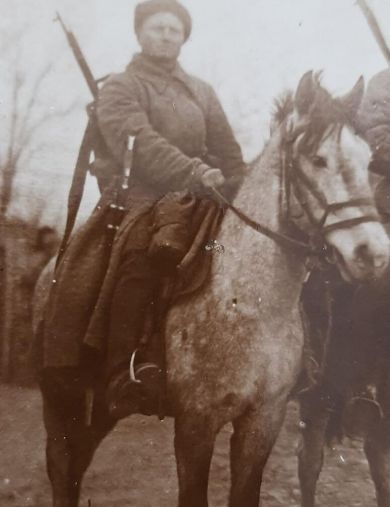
(16, 88)
(26, 115)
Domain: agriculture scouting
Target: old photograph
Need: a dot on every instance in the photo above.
(194, 253)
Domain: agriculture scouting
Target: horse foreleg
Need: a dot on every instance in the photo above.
(194, 444)
(377, 446)
(71, 443)
(311, 452)
(83, 442)
(377, 449)
(254, 435)
(57, 454)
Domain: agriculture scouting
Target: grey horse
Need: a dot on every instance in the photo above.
(234, 351)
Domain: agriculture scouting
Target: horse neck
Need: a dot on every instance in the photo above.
(260, 198)
(260, 193)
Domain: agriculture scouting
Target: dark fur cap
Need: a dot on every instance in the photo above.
(150, 7)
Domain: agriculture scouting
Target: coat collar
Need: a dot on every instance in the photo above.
(156, 75)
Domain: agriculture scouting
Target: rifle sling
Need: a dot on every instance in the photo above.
(77, 187)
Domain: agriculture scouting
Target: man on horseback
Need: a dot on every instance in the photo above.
(356, 317)
(183, 146)
(374, 122)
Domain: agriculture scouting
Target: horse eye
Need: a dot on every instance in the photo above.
(319, 161)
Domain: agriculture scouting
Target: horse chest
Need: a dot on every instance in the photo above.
(224, 354)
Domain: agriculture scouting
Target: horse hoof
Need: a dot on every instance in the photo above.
(361, 416)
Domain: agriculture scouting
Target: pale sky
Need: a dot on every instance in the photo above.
(249, 50)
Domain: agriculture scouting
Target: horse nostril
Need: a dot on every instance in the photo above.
(365, 257)
(379, 261)
(362, 254)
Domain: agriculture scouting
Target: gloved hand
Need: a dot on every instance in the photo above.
(213, 178)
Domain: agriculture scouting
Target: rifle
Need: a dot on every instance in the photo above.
(375, 29)
(92, 146)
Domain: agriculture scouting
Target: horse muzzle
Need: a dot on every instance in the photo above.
(362, 253)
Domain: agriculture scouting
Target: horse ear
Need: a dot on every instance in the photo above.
(351, 101)
(305, 93)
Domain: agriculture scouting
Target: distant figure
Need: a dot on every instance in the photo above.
(374, 123)
(349, 351)
(29, 254)
(43, 250)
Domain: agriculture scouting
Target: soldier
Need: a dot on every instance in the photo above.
(184, 145)
(44, 249)
(359, 317)
(374, 123)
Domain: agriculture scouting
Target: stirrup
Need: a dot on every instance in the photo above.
(142, 367)
(131, 368)
(356, 426)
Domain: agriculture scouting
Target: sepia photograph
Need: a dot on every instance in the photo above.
(195, 253)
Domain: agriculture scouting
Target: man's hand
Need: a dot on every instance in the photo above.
(213, 178)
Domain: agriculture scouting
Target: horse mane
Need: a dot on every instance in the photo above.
(325, 114)
(283, 106)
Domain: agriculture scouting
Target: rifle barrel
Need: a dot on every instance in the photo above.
(83, 64)
(78, 54)
(375, 29)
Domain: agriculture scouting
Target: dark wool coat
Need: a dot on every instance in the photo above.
(374, 116)
(178, 123)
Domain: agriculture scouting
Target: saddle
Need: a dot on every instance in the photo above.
(184, 258)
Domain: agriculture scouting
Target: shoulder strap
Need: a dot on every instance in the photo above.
(78, 182)
(92, 141)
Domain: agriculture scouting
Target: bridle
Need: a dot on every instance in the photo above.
(294, 179)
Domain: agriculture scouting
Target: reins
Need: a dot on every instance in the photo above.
(317, 245)
(282, 239)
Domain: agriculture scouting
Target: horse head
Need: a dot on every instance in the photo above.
(327, 171)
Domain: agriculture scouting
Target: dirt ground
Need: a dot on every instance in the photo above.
(135, 465)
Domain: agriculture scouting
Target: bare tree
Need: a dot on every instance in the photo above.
(26, 119)
(24, 124)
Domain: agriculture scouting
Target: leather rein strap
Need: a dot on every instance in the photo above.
(282, 239)
(295, 175)
(77, 186)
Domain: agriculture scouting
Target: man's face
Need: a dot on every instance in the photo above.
(161, 36)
